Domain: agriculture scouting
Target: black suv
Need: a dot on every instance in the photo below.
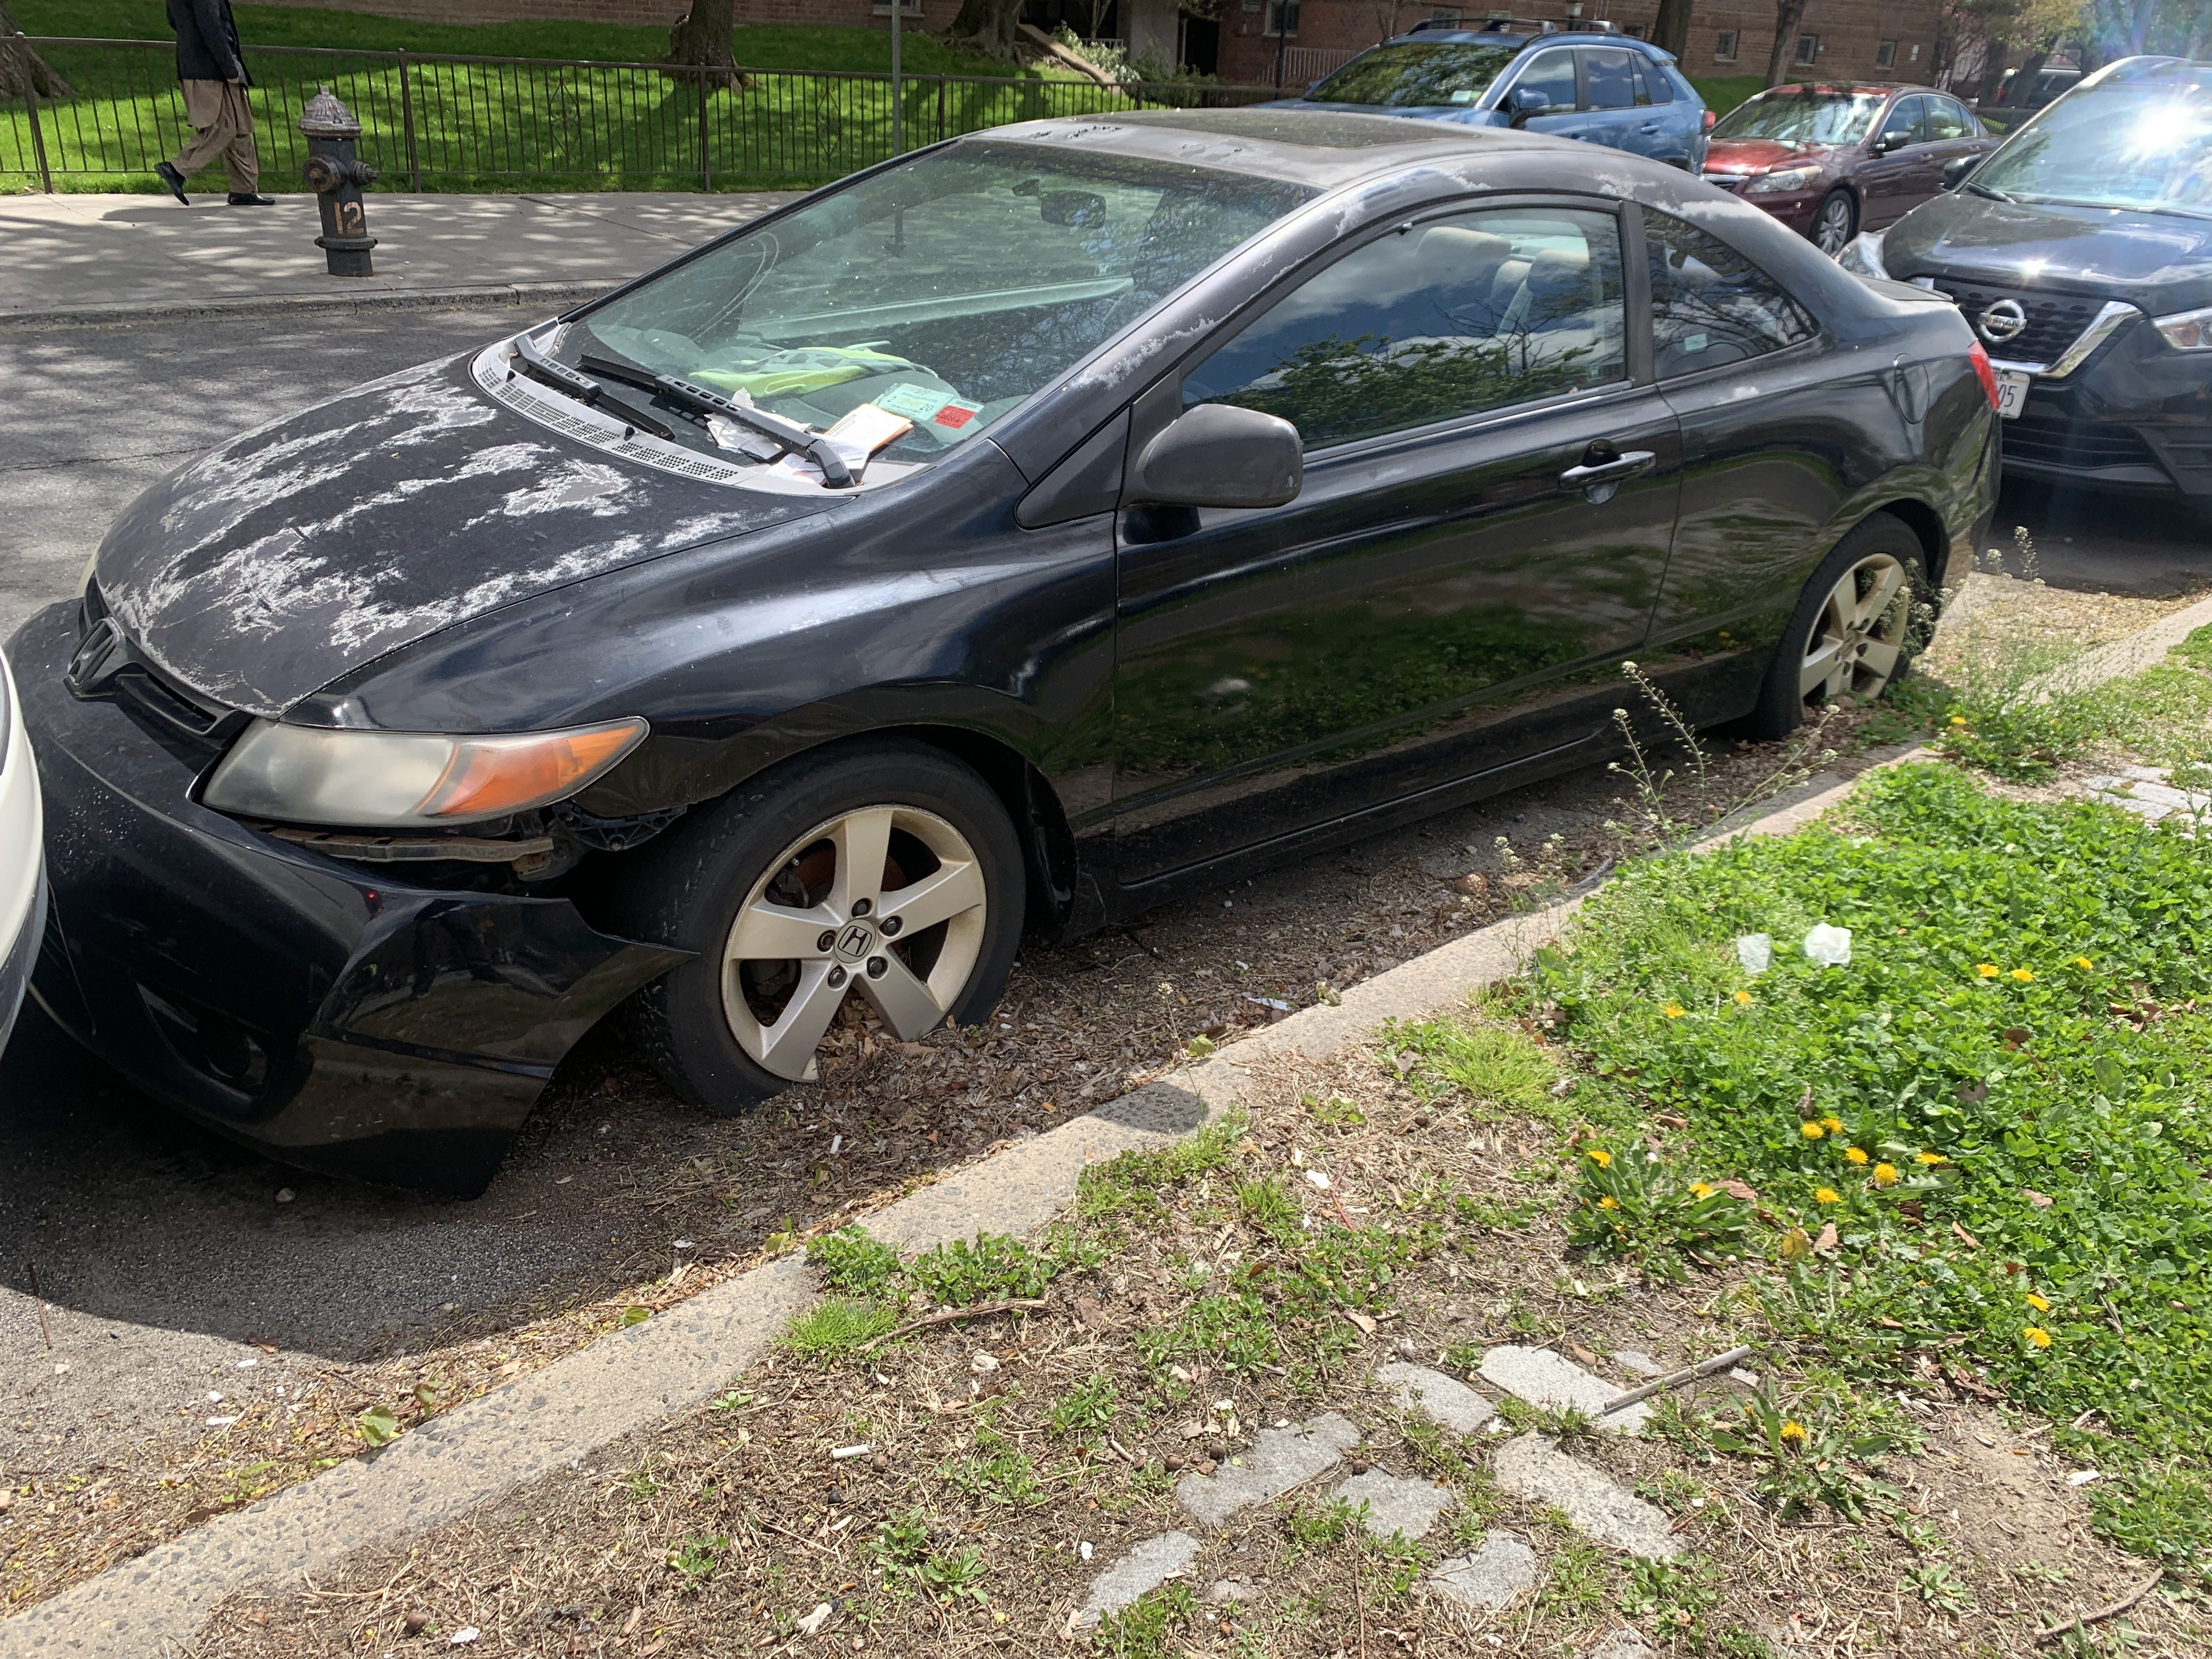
(2081, 252)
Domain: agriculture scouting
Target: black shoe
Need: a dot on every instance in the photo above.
(174, 179)
(247, 198)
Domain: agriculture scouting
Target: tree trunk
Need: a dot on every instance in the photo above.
(1993, 68)
(15, 60)
(988, 25)
(701, 40)
(1787, 14)
(1670, 29)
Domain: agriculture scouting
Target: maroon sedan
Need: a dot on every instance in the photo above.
(1833, 161)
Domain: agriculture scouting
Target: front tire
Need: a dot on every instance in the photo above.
(1853, 632)
(1835, 222)
(887, 873)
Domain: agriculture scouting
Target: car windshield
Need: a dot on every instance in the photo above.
(943, 292)
(1419, 74)
(1803, 115)
(2125, 143)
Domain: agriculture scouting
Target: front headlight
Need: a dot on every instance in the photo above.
(1862, 255)
(2187, 331)
(1772, 183)
(408, 779)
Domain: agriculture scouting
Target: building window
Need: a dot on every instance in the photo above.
(1808, 48)
(1283, 17)
(1445, 16)
(1916, 54)
(1885, 55)
(1724, 46)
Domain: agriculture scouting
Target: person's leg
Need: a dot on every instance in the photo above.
(204, 107)
(240, 158)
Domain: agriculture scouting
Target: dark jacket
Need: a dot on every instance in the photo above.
(207, 41)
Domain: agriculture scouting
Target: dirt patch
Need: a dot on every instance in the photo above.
(959, 1492)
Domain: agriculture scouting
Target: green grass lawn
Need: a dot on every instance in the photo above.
(1997, 1104)
(1723, 93)
(483, 126)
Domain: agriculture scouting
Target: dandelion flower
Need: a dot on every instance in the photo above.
(1743, 999)
(1672, 1010)
(2023, 975)
(1855, 1154)
(1885, 1175)
(1602, 1158)
(1834, 1125)
(2040, 1303)
(2083, 963)
(1608, 1202)
(2037, 1336)
(1827, 1196)
(1958, 719)
(1794, 1431)
(1930, 1158)
(1698, 1189)
(1989, 970)
(1811, 1131)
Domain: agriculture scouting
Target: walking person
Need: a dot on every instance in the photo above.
(212, 66)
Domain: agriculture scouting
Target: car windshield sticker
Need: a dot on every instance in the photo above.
(956, 413)
(916, 403)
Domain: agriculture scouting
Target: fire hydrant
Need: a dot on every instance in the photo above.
(337, 173)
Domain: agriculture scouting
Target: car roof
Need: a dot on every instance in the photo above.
(1553, 38)
(1844, 88)
(1324, 149)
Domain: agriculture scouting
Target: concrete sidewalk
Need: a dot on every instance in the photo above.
(91, 259)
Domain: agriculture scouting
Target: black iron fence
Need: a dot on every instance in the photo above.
(445, 123)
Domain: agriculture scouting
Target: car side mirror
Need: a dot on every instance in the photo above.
(1220, 455)
(1525, 101)
(1884, 143)
(1956, 169)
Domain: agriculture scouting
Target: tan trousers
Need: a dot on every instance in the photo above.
(222, 124)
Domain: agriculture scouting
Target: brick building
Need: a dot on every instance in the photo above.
(1886, 40)
(1890, 40)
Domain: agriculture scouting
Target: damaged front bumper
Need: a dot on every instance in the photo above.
(317, 1011)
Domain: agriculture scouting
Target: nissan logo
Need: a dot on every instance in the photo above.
(2002, 321)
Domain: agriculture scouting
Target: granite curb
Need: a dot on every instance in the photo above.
(484, 297)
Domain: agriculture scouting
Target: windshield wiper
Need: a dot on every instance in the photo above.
(794, 438)
(1992, 193)
(584, 389)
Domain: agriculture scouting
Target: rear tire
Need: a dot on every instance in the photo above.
(1835, 222)
(899, 856)
(1854, 630)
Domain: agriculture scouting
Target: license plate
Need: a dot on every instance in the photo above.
(2012, 393)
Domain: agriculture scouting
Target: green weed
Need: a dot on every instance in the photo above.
(1145, 1628)
(1128, 1188)
(854, 1264)
(1086, 1410)
(1632, 1206)
(836, 1326)
(1501, 1070)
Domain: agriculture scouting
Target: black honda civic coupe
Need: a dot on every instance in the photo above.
(1003, 538)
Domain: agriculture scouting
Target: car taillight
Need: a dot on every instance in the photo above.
(1984, 371)
(1707, 124)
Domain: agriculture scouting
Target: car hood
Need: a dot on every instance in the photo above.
(300, 550)
(2156, 262)
(1467, 114)
(1759, 154)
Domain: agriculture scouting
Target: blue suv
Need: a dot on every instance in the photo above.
(1595, 84)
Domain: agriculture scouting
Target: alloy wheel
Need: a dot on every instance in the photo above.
(887, 901)
(1859, 636)
(1832, 228)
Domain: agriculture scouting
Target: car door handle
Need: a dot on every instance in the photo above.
(1598, 482)
(1651, 126)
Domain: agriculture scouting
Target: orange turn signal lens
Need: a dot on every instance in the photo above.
(488, 776)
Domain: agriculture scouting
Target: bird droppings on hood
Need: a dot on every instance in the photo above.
(307, 547)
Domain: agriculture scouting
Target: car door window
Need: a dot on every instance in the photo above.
(1612, 75)
(1552, 74)
(1651, 83)
(1907, 123)
(1450, 319)
(1947, 120)
(1710, 306)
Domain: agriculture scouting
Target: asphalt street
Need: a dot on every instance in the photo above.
(142, 1259)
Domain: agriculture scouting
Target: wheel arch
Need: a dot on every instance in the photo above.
(1925, 523)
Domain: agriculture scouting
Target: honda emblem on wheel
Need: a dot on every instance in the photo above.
(2002, 321)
